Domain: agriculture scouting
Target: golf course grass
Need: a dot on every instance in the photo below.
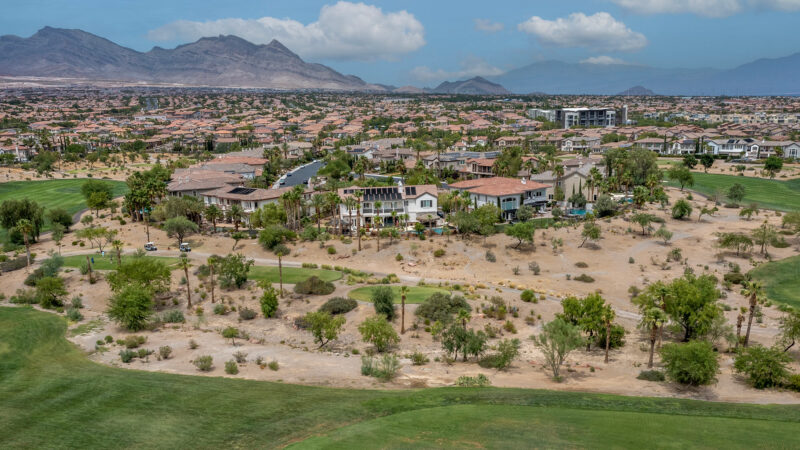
(53, 396)
(108, 262)
(770, 194)
(781, 280)
(416, 294)
(64, 194)
(291, 275)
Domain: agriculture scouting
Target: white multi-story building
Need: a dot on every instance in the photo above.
(586, 117)
(388, 205)
(508, 194)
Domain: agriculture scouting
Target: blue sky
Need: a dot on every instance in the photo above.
(423, 42)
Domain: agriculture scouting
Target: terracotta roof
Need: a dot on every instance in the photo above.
(495, 186)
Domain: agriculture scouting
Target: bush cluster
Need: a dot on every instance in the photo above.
(339, 305)
(314, 286)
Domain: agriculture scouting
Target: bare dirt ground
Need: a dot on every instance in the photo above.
(464, 263)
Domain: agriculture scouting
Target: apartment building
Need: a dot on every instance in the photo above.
(586, 117)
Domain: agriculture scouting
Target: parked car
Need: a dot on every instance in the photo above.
(185, 247)
(150, 247)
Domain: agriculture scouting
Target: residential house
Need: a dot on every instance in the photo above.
(508, 194)
(418, 202)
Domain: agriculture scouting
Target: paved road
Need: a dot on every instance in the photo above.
(302, 174)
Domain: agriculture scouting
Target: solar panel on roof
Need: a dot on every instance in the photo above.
(242, 191)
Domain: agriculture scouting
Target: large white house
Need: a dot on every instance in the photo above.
(250, 199)
(419, 203)
(508, 194)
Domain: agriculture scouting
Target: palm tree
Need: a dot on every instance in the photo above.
(117, 244)
(359, 195)
(350, 203)
(403, 293)
(280, 251)
(334, 201)
(739, 322)
(183, 263)
(378, 220)
(318, 202)
(25, 228)
(558, 171)
(213, 214)
(653, 319)
(754, 291)
(212, 261)
(235, 215)
(463, 317)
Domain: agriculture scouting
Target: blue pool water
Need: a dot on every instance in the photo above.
(577, 212)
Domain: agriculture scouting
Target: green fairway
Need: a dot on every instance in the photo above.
(781, 280)
(535, 427)
(64, 194)
(291, 275)
(416, 294)
(770, 194)
(108, 262)
(51, 395)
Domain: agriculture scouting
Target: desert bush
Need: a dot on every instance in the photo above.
(490, 256)
(383, 299)
(694, 363)
(480, 380)
(204, 363)
(339, 305)
(441, 307)
(438, 253)
(127, 355)
(165, 352)
(240, 357)
(581, 264)
(273, 365)
(314, 286)
(617, 337)
(734, 277)
(419, 359)
(247, 314)
(534, 267)
(231, 368)
(793, 382)
(764, 367)
(527, 296)
(74, 314)
(220, 309)
(134, 341)
(173, 316)
(584, 278)
(651, 375)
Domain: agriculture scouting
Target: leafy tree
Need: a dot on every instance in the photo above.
(458, 339)
(764, 236)
(790, 329)
(587, 313)
(591, 232)
(682, 175)
(132, 306)
(98, 201)
(773, 165)
(213, 214)
(694, 363)
(557, 339)
(736, 193)
(235, 215)
(92, 186)
(61, 217)
(100, 236)
(383, 300)
(58, 235)
(233, 270)
(764, 367)
(441, 307)
(706, 212)
(237, 236)
(323, 326)
(525, 213)
(792, 220)
(522, 232)
(50, 292)
(734, 241)
(507, 352)
(180, 227)
(691, 302)
(149, 273)
(707, 161)
(604, 206)
(231, 333)
(12, 211)
(664, 234)
(378, 332)
(689, 161)
(268, 300)
(273, 235)
(644, 220)
(682, 208)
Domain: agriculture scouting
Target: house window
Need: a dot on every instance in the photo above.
(426, 203)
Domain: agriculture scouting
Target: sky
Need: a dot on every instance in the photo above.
(423, 42)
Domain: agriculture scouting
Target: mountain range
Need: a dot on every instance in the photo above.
(229, 61)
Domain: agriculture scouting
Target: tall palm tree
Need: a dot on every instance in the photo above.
(117, 244)
(350, 203)
(318, 202)
(403, 293)
(211, 261)
(183, 263)
(25, 228)
(739, 322)
(754, 291)
(652, 320)
(334, 201)
(378, 221)
(280, 251)
(359, 195)
(213, 214)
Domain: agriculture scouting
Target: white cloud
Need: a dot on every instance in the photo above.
(488, 26)
(599, 31)
(707, 8)
(603, 60)
(345, 30)
(470, 67)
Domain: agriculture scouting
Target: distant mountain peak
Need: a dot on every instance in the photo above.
(473, 86)
(637, 91)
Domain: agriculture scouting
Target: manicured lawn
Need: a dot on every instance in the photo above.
(53, 396)
(108, 262)
(291, 275)
(416, 294)
(781, 280)
(64, 194)
(770, 194)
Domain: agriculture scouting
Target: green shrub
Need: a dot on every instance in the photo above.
(127, 355)
(134, 341)
(204, 363)
(173, 316)
(581, 264)
(339, 305)
(527, 295)
(480, 380)
(490, 256)
(438, 253)
(441, 307)
(734, 277)
(384, 368)
(383, 299)
(273, 365)
(617, 337)
(651, 375)
(418, 359)
(314, 286)
(764, 367)
(793, 382)
(694, 363)
(331, 250)
(231, 368)
(165, 352)
(24, 297)
(74, 314)
(398, 257)
(269, 301)
(220, 309)
(584, 278)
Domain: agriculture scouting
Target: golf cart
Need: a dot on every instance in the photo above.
(185, 247)
(150, 247)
